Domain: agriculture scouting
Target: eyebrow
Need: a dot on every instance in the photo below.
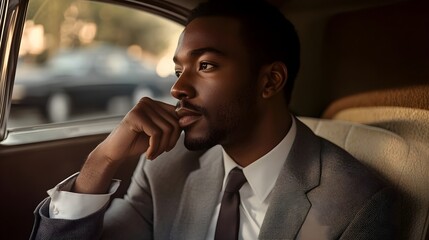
(200, 51)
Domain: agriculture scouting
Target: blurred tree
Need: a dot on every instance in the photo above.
(63, 21)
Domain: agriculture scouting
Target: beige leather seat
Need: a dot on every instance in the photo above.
(398, 150)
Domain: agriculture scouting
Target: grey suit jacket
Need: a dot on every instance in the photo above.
(321, 193)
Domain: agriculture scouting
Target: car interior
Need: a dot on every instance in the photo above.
(363, 84)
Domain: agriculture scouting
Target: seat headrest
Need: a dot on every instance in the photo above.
(409, 97)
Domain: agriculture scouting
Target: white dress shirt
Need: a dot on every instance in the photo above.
(255, 194)
(69, 205)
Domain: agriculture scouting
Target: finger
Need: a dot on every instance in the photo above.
(148, 127)
(139, 145)
(165, 123)
(175, 130)
(164, 135)
(168, 108)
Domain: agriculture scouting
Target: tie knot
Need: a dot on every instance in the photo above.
(235, 180)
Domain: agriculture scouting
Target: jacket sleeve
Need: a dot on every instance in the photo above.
(129, 218)
(89, 227)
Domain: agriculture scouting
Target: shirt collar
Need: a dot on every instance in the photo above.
(262, 174)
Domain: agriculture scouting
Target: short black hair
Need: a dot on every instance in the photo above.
(269, 34)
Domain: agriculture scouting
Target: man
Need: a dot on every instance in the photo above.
(235, 72)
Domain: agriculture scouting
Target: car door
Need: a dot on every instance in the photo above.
(37, 151)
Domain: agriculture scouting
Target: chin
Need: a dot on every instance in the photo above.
(196, 142)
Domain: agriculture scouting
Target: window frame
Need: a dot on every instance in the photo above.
(12, 17)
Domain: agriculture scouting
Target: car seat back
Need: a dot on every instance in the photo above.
(398, 150)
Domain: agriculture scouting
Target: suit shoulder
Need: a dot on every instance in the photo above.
(344, 182)
(337, 165)
(346, 186)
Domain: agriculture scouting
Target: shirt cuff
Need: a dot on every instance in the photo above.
(69, 205)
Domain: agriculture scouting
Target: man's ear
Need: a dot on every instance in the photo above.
(275, 76)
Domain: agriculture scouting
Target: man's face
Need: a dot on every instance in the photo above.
(216, 88)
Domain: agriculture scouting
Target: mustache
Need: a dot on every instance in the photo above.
(187, 105)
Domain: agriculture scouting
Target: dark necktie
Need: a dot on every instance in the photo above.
(229, 216)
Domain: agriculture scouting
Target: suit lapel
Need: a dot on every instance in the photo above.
(199, 197)
(289, 203)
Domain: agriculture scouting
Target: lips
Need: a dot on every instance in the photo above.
(187, 116)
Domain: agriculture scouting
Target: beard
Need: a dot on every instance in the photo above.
(211, 139)
(228, 119)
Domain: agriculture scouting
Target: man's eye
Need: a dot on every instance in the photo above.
(206, 66)
(178, 73)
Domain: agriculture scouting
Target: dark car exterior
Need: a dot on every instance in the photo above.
(98, 77)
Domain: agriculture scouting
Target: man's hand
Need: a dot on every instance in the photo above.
(150, 127)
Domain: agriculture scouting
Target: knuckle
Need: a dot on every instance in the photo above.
(168, 128)
(145, 100)
(131, 115)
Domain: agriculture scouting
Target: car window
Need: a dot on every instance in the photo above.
(82, 59)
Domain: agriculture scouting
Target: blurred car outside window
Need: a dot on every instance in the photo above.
(81, 59)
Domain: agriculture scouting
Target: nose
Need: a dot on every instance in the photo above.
(183, 88)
